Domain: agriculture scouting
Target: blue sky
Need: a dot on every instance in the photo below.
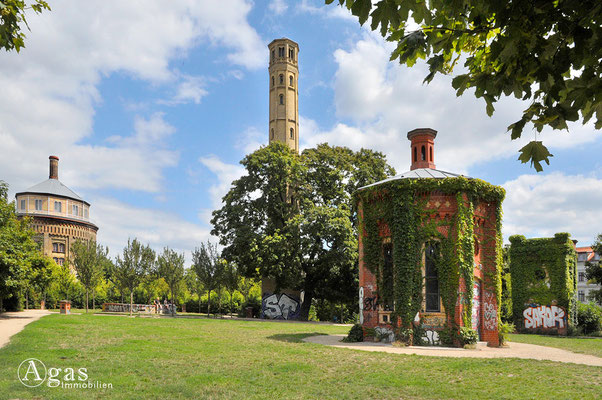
(150, 108)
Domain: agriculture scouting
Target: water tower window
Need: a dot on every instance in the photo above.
(280, 51)
(281, 99)
(273, 81)
(422, 154)
(431, 280)
(430, 154)
(292, 133)
(273, 54)
(415, 154)
(272, 133)
(291, 54)
(281, 79)
(290, 80)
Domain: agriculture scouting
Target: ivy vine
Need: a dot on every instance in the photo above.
(400, 207)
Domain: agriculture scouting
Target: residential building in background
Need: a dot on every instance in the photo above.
(585, 254)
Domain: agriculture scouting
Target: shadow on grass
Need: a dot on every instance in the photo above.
(293, 337)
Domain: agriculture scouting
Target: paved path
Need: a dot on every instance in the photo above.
(515, 350)
(12, 323)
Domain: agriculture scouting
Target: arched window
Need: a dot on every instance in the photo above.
(290, 80)
(272, 133)
(281, 99)
(281, 79)
(430, 154)
(273, 81)
(431, 280)
(292, 133)
(415, 154)
(422, 154)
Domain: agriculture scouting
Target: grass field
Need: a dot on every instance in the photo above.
(206, 358)
(591, 346)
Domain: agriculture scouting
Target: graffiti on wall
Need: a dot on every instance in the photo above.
(431, 337)
(280, 306)
(545, 317)
(361, 303)
(476, 306)
(489, 311)
(125, 308)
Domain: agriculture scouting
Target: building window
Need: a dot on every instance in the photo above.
(38, 205)
(273, 54)
(415, 154)
(431, 279)
(422, 154)
(272, 133)
(75, 210)
(86, 212)
(280, 51)
(58, 206)
(582, 257)
(292, 133)
(61, 248)
(281, 78)
(22, 204)
(55, 247)
(291, 54)
(581, 276)
(273, 81)
(581, 295)
(431, 154)
(281, 99)
(61, 261)
(290, 80)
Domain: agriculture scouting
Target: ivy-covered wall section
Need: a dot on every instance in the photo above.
(461, 215)
(543, 272)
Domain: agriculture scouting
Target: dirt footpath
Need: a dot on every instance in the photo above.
(515, 350)
(12, 323)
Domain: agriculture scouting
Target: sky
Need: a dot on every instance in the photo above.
(151, 107)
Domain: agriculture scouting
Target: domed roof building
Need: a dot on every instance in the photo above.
(58, 215)
(429, 247)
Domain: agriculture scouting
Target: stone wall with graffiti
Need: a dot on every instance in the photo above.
(137, 308)
(280, 306)
(545, 319)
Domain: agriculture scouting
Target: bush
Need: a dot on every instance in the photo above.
(467, 336)
(252, 302)
(504, 330)
(589, 318)
(356, 334)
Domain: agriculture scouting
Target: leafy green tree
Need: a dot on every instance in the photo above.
(136, 263)
(40, 274)
(17, 249)
(547, 52)
(171, 268)
(231, 280)
(194, 284)
(593, 271)
(290, 218)
(88, 259)
(12, 17)
(208, 267)
(65, 283)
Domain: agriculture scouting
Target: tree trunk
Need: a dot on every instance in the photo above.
(231, 294)
(26, 300)
(199, 303)
(208, 303)
(307, 298)
(1, 303)
(86, 300)
(93, 299)
(173, 304)
(131, 301)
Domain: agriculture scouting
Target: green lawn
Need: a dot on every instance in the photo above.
(591, 346)
(205, 358)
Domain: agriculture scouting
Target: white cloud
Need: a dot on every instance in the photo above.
(278, 7)
(225, 174)
(120, 221)
(190, 89)
(541, 205)
(378, 102)
(324, 10)
(50, 88)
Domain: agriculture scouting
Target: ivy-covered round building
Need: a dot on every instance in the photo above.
(430, 253)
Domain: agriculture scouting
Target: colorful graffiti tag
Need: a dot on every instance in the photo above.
(476, 306)
(545, 317)
(125, 308)
(489, 311)
(280, 306)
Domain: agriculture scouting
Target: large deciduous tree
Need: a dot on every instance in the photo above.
(136, 263)
(17, 250)
(88, 259)
(208, 267)
(547, 52)
(291, 218)
(171, 268)
(12, 19)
